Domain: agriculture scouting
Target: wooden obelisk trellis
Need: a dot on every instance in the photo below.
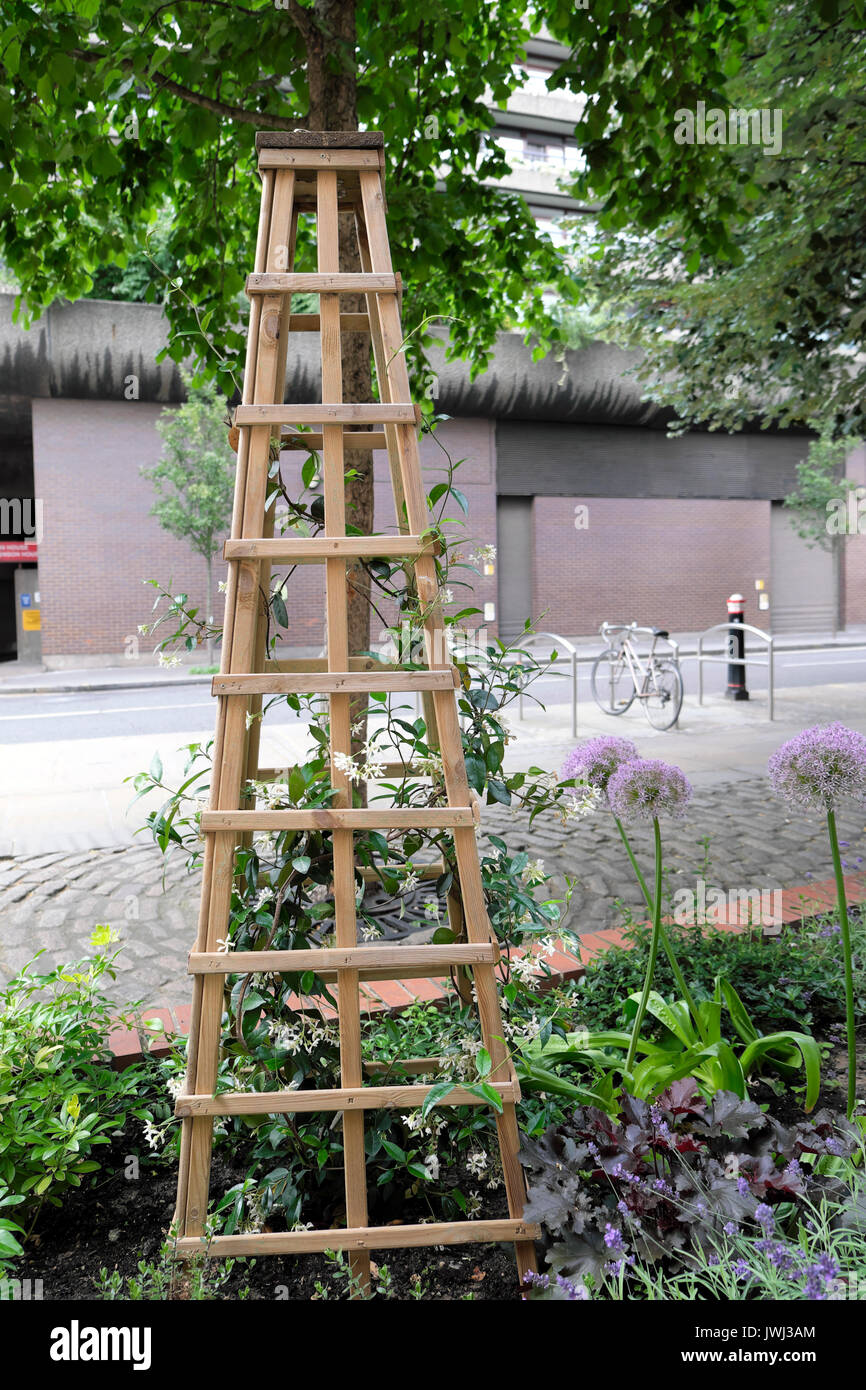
(328, 174)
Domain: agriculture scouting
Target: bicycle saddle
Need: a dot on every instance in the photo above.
(660, 632)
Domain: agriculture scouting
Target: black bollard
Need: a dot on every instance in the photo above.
(736, 688)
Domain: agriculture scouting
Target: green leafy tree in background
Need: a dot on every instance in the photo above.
(195, 477)
(108, 114)
(822, 489)
(751, 303)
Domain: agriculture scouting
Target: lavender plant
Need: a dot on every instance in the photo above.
(667, 1186)
(812, 772)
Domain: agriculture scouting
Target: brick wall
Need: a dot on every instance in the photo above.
(470, 440)
(664, 563)
(99, 542)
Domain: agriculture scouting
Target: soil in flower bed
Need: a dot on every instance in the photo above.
(117, 1222)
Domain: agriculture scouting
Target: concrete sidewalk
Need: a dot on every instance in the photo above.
(17, 678)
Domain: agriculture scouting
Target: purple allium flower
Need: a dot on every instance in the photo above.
(646, 788)
(597, 760)
(764, 1214)
(818, 766)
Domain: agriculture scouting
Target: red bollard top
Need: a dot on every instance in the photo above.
(736, 604)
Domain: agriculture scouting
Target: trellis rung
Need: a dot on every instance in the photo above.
(318, 159)
(344, 1098)
(329, 413)
(360, 1238)
(385, 818)
(333, 682)
(321, 958)
(312, 550)
(274, 282)
(352, 439)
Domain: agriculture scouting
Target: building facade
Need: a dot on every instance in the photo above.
(596, 513)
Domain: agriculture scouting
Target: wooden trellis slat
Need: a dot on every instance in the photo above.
(316, 172)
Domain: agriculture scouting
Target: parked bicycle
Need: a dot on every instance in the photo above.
(620, 676)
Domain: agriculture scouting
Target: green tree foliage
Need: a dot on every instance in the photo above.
(195, 476)
(106, 114)
(751, 302)
(821, 489)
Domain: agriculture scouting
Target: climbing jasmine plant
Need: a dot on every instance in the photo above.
(282, 893)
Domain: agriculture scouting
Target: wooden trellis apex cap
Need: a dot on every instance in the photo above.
(320, 140)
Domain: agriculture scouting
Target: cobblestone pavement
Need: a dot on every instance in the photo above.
(54, 901)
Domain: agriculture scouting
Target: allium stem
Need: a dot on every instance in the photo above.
(653, 952)
(685, 992)
(846, 956)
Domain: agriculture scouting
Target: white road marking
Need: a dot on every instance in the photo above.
(129, 709)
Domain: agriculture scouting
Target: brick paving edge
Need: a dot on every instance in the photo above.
(154, 1027)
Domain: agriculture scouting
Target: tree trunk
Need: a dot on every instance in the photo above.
(333, 106)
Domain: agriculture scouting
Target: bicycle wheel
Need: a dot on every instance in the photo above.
(612, 684)
(664, 694)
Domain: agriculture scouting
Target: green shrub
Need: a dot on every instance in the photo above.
(59, 1097)
(792, 979)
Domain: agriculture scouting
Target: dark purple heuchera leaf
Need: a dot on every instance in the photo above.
(734, 1117)
(683, 1098)
(578, 1255)
(669, 1176)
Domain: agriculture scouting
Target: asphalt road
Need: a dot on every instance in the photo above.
(118, 713)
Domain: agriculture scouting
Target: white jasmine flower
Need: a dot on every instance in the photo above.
(431, 1163)
(344, 763)
(484, 555)
(427, 764)
(533, 872)
(153, 1135)
(167, 661)
(523, 969)
(222, 586)
(582, 804)
(447, 596)
(223, 945)
(477, 1163)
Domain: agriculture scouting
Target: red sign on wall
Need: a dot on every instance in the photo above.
(14, 552)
